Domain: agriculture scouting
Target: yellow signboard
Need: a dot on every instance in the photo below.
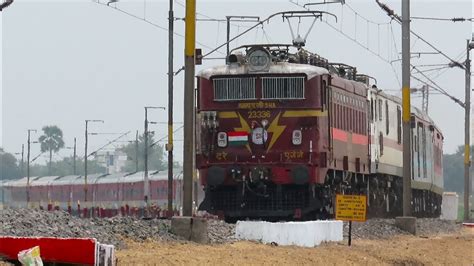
(351, 207)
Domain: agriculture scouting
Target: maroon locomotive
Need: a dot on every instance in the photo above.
(278, 133)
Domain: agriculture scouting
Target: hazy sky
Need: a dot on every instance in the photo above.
(67, 61)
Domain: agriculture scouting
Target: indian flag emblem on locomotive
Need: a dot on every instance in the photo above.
(238, 138)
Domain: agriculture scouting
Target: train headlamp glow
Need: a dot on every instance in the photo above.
(222, 139)
(264, 123)
(297, 137)
(259, 60)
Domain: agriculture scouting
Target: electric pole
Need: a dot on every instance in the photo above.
(85, 157)
(467, 120)
(74, 159)
(169, 146)
(146, 188)
(136, 152)
(406, 107)
(28, 168)
(22, 160)
(189, 65)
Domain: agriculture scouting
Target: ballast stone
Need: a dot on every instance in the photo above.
(304, 234)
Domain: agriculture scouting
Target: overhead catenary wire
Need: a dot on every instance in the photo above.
(435, 86)
(152, 23)
(444, 19)
(430, 82)
(398, 19)
(108, 143)
(224, 21)
(166, 136)
(377, 54)
(261, 22)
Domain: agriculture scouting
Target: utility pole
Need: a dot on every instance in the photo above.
(74, 159)
(406, 107)
(145, 179)
(22, 160)
(28, 168)
(467, 120)
(189, 65)
(146, 188)
(85, 164)
(169, 146)
(85, 157)
(136, 152)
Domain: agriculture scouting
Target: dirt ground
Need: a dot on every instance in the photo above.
(457, 249)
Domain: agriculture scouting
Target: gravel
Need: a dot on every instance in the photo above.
(385, 228)
(28, 222)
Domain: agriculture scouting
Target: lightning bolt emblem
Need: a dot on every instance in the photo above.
(276, 131)
(244, 126)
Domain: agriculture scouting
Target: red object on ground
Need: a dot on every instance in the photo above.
(63, 250)
(468, 224)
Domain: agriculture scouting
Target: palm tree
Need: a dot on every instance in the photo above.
(52, 141)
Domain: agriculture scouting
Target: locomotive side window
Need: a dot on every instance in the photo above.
(387, 127)
(323, 94)
(283, 87)
(399, 125)
(229, 89)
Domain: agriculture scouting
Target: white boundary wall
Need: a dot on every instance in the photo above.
(449, 206)
(304, 234)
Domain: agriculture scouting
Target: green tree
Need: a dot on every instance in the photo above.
(9, 168)
(155, 155)
(453, 170)
(51, 141)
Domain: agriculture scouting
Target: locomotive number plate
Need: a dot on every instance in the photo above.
(259, 114)
(351, 207)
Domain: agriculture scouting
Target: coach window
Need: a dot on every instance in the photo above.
(387, 128)
(380, 110)
(373, 114)
(381, 143)
(399, 125)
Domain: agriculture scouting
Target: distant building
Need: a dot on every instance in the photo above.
(113, 161)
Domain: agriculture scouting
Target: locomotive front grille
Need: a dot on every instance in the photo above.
(229, 89)
(230, 199)
(283, 87)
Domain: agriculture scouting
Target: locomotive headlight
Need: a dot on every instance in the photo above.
(259, 60)
(222, 139)
(297, 137)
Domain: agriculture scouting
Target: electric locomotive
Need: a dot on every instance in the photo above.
(280, 131)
